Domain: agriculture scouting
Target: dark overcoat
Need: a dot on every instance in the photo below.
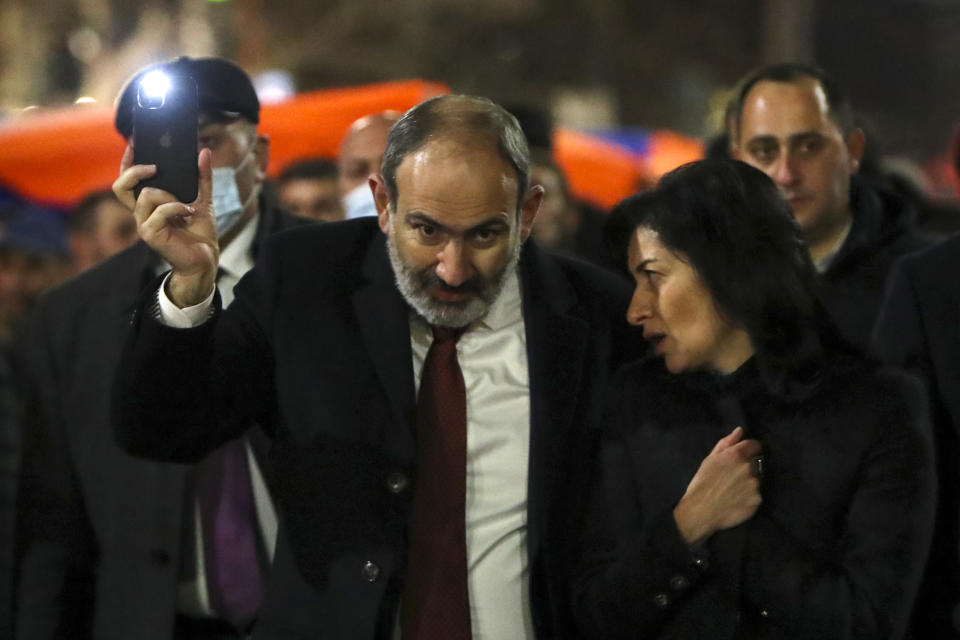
(834, 551)
(100, 530)
(919, 329)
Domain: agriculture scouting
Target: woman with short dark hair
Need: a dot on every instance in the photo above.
(759, 478)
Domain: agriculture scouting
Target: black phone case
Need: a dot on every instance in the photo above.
(167, 137)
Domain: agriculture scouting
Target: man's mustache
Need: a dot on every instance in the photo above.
(431, 280)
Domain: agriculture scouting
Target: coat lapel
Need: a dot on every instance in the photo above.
(383, 317)
(556, 347)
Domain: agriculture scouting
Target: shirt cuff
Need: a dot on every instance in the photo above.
(173, 316)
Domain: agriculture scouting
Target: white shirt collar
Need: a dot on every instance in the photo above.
(824, 263)
(507, 308)
(237, 258)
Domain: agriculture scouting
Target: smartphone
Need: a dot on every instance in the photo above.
(165, 133)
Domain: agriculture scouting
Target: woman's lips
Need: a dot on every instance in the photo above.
(656, 341)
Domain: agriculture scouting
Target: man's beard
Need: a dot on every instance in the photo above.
(415, 286)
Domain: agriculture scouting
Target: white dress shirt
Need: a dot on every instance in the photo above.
(493, 358)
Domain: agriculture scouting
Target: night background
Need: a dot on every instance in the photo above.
(592, 63)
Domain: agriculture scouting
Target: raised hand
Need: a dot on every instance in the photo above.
(723, 492)
(185, 235)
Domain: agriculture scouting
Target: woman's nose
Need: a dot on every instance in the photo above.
(640, 306)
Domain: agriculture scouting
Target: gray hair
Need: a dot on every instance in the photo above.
(456, 115)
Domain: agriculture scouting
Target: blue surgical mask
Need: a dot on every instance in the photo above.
(359, 202)
(227, 206)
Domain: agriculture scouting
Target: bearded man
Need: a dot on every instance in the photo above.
(430, 380)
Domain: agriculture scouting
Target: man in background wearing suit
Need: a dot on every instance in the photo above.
(120, 547)
(447, 515)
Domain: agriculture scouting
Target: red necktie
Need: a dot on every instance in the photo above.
(436, 603)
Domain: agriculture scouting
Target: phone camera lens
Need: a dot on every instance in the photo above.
(152, 90)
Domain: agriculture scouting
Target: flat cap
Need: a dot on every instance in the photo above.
(222, 88)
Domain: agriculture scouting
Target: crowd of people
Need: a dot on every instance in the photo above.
(420, 391)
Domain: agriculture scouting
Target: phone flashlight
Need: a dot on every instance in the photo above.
(152, 92)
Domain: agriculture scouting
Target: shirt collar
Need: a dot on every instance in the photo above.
(506, 309)
(237, 258)
(824, 263)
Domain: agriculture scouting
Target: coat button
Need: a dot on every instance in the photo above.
(679, 583)
(701, 563)
(370, 571)
(662, 600)
(397, 482)
(159, 557)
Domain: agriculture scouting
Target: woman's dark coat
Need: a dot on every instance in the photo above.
(836, 548)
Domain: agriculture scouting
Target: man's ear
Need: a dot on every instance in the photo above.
(382, 199)
(528, 210)
(261, 151)
(856, 144)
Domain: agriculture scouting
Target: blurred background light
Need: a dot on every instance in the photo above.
(274, 85)
(84, 44)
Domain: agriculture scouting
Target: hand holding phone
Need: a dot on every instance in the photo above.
(184, 235)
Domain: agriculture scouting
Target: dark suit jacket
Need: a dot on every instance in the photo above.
(919, 328)
(319, 336)
(101, 530)
(836, 548)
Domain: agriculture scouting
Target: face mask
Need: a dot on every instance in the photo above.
(359, 202)
(227, 207)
